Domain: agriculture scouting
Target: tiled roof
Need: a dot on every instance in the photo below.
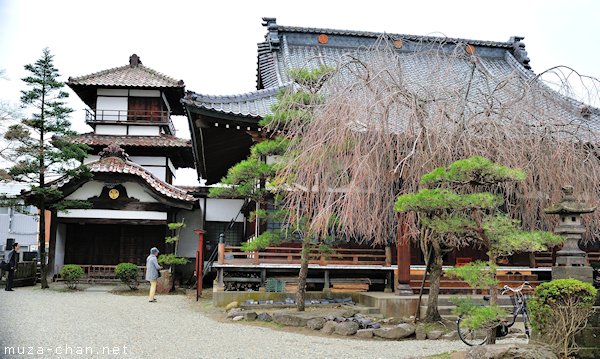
(133, 75)
(163, 140)
(255, 104)
(288, 47)
(118, 165)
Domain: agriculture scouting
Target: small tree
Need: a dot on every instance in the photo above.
(560, 310)
(171, 259)
(37, 160)
(460, 210)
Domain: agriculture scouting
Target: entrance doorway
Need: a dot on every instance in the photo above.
(111, 244)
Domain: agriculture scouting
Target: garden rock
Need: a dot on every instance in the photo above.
(346, 328)
(264, 317)
(289, 320)
(316, 323)
(420, 332)
(510, 351)
(232, 305)
(238, 318)
(329, 327)
(234, 313)
(365, 333)
(434, 334)
(398, 332)
(453, 335)
(251, 316)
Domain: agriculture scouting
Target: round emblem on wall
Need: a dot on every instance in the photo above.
(113, 193)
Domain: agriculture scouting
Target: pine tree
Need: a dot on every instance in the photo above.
(42, 154)
(256, 178)
(461, 209)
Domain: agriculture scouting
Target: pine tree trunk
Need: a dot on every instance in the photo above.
(42, 246)
(493, 301)
(433, 315)
(301, 293)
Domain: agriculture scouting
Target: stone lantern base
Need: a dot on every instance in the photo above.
(584, 274)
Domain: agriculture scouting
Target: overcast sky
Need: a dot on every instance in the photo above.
(211, 45)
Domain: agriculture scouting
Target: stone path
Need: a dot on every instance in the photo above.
(173, 327)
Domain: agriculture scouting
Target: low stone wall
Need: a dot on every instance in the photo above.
(222, 298)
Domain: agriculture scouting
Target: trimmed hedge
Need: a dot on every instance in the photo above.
(128, 274)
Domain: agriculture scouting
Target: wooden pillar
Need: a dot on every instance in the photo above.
(199, 262)
(326, 282)
(403, 245)
(221, 258)
(388, 256)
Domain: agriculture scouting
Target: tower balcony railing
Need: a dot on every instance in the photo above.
(137, 117)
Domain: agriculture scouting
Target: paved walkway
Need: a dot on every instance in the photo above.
(53, 324)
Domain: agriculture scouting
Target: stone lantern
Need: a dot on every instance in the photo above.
(571, 261)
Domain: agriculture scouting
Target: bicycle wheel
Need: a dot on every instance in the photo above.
(470, 336)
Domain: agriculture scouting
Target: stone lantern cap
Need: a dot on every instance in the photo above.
(569, 204)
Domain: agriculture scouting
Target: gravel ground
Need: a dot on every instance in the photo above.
(174, 327)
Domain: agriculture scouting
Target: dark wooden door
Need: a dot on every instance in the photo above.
(144, 109)
(111, 244)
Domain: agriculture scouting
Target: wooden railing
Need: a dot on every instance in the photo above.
(292, 255)
(104, 272)
(129, 116)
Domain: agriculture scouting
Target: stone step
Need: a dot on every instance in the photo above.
(365, 310)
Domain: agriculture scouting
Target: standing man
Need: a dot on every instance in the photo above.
(152, 272)
(12, 258)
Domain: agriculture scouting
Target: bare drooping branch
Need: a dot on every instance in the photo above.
(390, 117)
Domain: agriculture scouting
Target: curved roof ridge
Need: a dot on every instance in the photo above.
(247, 96)
(145, 140)
(169, 81)
(113, 164)
(446, 39)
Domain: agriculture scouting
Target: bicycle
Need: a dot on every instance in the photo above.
(479, 336)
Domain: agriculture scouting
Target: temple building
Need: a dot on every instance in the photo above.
(225, 127)
(133, 159)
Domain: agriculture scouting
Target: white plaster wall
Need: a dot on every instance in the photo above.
(94, 188)
(159, 172)
(144, 93)
(188, 241)
(171, 167)
(138, 191)
(111, 108)
(112, 92)
(148, 160)
(59, 254)
(223, 210)
(114, 214)
(144, 130)
(89, 189)
(111, 130)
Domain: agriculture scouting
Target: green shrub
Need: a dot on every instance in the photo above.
(128, 273)
(171, 260)
(71, 274)
(560, 310)
(476, 315)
